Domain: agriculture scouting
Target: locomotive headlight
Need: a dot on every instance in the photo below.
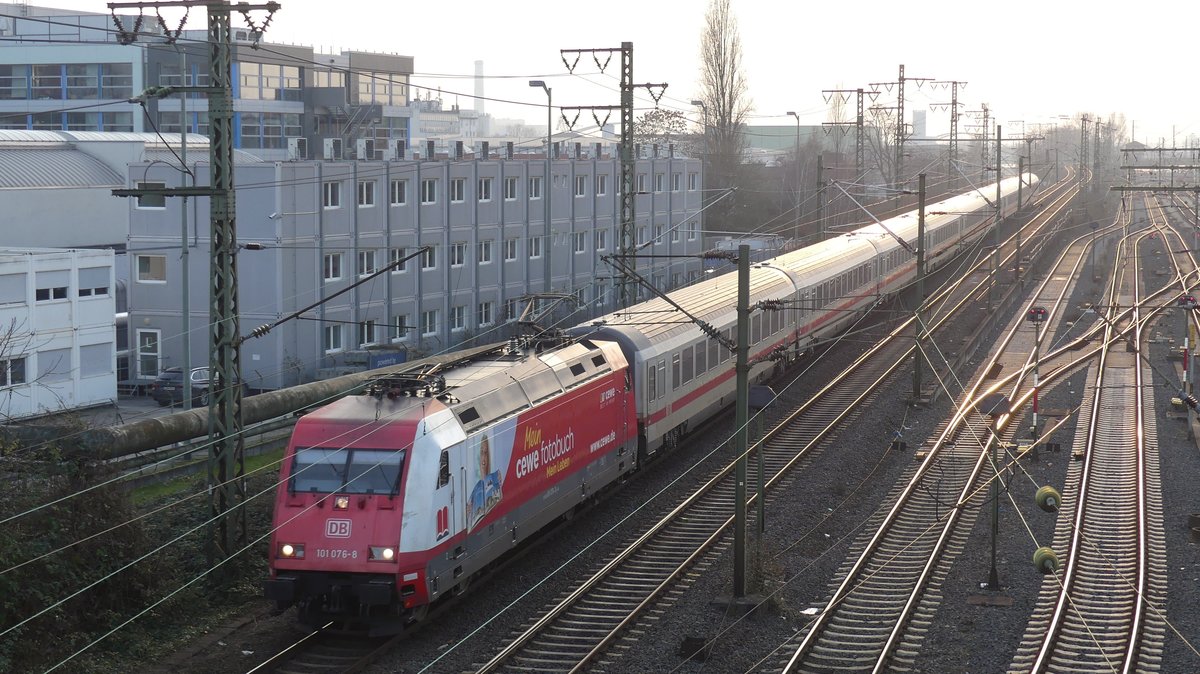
(292, 551)
(380, 553)
(341, 502)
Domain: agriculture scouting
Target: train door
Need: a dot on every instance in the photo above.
(655, 392)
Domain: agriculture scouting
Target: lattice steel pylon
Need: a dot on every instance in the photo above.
(226, 459)
(626, 241)
(952, 153)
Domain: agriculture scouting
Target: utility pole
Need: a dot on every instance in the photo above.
(995, 232)
(952, 155)
(1083, 146)
(859, 140)
(627, 240)
(821, 193)
(1020, 183)
(981, 127)
(796, 200)
(859, 137)
(741, 419)
(547, 207)
(918, 355)
(226, 461)
(901, 128)
(184, 266)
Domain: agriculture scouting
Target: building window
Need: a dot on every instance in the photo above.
(486, 313)
(601, 184)
(429, 322)
(429, 258)
(366, 333)
(12, 371)
(581, 186)
(458, 254)
(641, 182)
(580, 243)
(485, 189)
(148, 353)
(151, 201)
(535, 187)
(512, 310)
(331, 195)
(395, 256)
(675, 234)
(152, 268)
(510, 250)
(366, 262)
(366, 193)
(401, 326)
(535, 247)
(658, 182)
(483, 252)
(676, 181)
(93, 281)
(693, 181)
(50, 293)
(458, 318)
(658, 235)
(601, 240)
(429, 191)
(333, 266)
(398, 195)
(641, 235)
(332, 339)
(458, 189)
(692, 233)
(510, 189)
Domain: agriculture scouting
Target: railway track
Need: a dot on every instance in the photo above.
(889, 582)
(882, 609)
(324, 652)
(1103, 611)
(591, 620)
(579, 630)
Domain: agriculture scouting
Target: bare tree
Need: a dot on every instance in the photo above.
(726, 101)
(880, 137)
(660, 127)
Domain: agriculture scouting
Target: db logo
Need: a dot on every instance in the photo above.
(337, 528)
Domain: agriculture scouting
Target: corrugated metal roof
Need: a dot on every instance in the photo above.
(26, 167)
(23, 136)
(193, 139)
(197, 155)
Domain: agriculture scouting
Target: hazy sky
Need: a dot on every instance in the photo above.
(1028, 60)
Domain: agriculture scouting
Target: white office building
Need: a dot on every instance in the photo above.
(57, 330)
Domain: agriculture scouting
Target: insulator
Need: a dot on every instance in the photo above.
(1048, 498)
(1045, 560)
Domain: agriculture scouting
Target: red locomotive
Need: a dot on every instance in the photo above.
(396, 497)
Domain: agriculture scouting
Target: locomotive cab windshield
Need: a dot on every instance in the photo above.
(346, 471)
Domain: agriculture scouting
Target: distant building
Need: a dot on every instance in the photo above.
(281, 92)
(919, 128)
(771, 144)
(57, 336)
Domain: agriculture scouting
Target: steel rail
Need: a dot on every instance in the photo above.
(825, 394)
